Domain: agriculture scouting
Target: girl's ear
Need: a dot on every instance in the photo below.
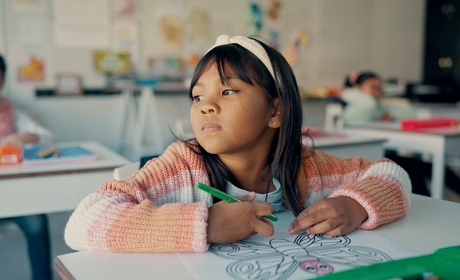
(275, 120)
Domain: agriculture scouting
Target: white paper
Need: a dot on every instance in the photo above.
(125, 39)
(81, 24)
(284, 256)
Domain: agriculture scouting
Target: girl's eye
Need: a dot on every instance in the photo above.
(228, 91)
(197, 98)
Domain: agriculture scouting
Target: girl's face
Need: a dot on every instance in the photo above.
(231, 119)
(372, 86)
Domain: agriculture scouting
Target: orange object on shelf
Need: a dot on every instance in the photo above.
(437, 122)
(10, 155)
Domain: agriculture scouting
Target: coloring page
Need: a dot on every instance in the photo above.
(285, 256)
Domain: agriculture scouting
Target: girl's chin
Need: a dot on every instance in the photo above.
(212, 149)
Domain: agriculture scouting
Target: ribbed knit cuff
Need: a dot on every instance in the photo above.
(383, 205)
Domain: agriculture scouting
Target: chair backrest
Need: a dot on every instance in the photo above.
(333, 121)
(123, 172)
(8, 228)
(144, 160)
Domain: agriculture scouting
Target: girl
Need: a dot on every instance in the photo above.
(363, 99)
(18, 129)
(361, 96)
(364, 90)
(246, 116)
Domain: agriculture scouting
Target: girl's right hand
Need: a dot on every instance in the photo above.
(386, 118)
(232, 222)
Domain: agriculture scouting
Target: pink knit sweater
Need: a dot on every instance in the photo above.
(159, 209)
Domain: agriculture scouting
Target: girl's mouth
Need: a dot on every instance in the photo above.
(210, 127)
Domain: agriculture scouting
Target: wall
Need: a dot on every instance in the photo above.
(386, 36)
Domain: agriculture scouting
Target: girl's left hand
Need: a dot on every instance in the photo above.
(18, 139)
(331, 216)
(386, 118)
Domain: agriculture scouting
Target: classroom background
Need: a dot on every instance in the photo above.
(324, 40)
(45, 42)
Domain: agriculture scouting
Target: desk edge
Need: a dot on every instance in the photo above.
(61, 270)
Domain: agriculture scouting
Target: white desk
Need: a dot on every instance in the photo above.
(427, 110)
(429, 225)
(436, 142)
(370, 148)
(26, 190)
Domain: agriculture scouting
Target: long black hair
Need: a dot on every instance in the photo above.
(286, 149)
(2, 66)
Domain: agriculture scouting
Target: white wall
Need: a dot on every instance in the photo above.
(385, 36)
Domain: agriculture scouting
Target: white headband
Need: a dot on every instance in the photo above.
(247, 43)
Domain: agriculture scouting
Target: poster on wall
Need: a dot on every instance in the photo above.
(199, 25)
(112, 62)
(125, 39)
(170, 19)
(31, 51)
(198, 37)
(81, 24)
(171, 33)
(124, 8)
(29, 5)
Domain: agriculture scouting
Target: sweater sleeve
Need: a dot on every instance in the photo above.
(382, 187)
(361, 107)
(25, 124)
(157, 209)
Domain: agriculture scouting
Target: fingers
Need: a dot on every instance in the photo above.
(263, 225)
(12, 140)
(249, 197)
(328, 226)
(231, 222)
(335, 216)
(262, 209)
(307, 218)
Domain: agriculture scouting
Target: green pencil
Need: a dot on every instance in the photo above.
(220, 194)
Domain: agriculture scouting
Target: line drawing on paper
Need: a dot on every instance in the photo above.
(313, 254)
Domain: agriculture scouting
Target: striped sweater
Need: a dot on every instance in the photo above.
(158, 209)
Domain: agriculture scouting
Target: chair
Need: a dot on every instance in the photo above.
(334, 120)
(123, 172)
(8, 228)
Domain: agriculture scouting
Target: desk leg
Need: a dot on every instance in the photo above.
(127, 117)
(147, 109)
(437, 172)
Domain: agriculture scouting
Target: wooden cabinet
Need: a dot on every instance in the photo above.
(442, 43)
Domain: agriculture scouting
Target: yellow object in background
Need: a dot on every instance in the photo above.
(54, 151)
(10, 155)
(33, 70)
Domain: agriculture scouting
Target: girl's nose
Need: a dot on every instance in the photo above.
(209, 107)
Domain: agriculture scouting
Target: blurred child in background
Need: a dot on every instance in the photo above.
(18, 129)
(363, 103)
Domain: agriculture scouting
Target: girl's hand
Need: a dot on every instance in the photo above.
(331, 216)
(232, 222)
(386, 118)
(18, 139)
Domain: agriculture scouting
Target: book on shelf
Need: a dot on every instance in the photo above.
(49, 154)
